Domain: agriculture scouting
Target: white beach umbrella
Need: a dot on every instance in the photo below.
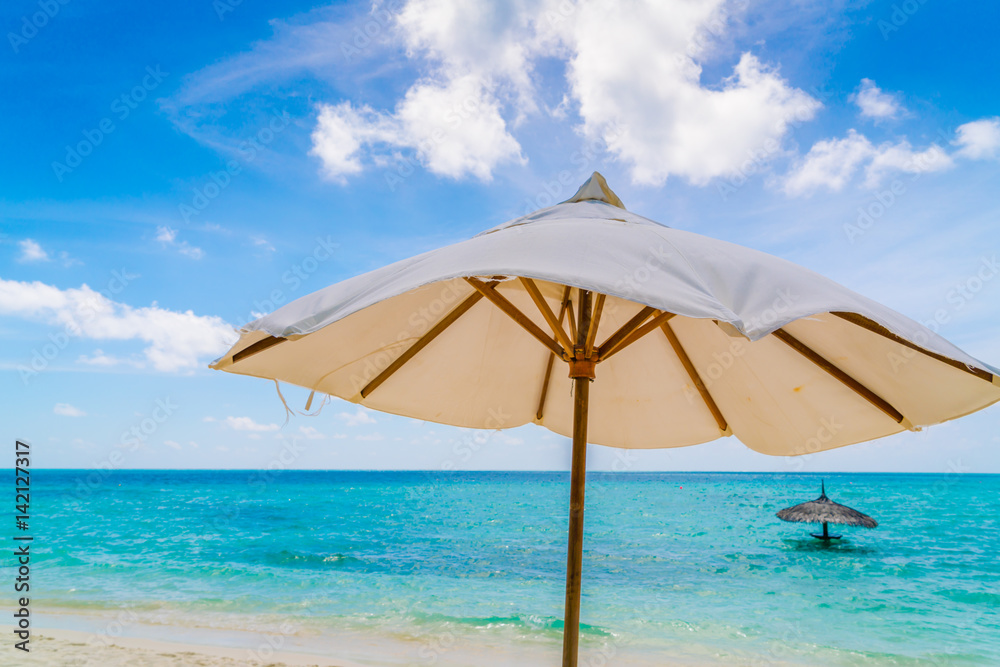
(686, 339)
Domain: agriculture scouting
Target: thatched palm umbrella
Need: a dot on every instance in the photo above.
(825, 511)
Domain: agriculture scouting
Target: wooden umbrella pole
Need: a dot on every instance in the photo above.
(582, 372)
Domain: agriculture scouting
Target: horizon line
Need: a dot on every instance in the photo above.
(429, 470)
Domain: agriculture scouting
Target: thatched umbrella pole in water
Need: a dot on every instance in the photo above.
(825, 511)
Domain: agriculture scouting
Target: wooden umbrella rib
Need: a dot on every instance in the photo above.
(423, 341)
(659, 318)
(259, 346)
(840, 375)
(571, 318)
(695, 376)
(876, 328)
(585, 319)
(551, 360)
(545, 386)
(543, 308)
(595, 322)
(501, 302)
(617, 338)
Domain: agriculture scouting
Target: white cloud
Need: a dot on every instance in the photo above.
(452, 120)
(175, 341)
(99, 358)
(167, 237)
(172, 444)
(832, 163)
(317, 44)
(455, 128)
(190, 251)
(31, 251)
(67, 410)
(262, 243)
(67, 260)
(874, 102)
(632, 77)
(477, 40)
(357, 418)
(979, 140)
(248, 424)
(339, 134)
(370, 437)
(902, 158)
(639, 88)
(310, 433)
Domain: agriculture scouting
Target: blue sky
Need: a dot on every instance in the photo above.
(170, 171)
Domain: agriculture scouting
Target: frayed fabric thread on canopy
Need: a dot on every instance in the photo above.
(288, 411)
(306, 413)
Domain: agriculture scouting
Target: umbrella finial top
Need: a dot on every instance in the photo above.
(822, 488)
(596, 188)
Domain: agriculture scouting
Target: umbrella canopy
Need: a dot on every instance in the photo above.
(689, 339)
(824, 510)
(747, 343)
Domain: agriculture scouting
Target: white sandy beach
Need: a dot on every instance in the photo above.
(68, 639)
(65, 648)
(73, 648)
(162, 646)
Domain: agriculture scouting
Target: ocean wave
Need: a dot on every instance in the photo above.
(987, 599)
(285, 558)
(528, 623)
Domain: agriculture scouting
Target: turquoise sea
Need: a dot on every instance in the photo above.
(420, 568)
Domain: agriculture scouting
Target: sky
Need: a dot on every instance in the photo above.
(171, 171)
